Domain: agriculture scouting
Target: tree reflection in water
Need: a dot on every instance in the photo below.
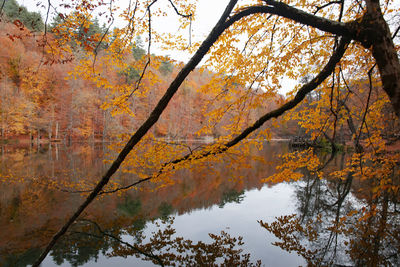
(32, 206)
(87, 239)
(339, 221)
(342, 222)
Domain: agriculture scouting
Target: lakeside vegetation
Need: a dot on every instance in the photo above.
(69, 78)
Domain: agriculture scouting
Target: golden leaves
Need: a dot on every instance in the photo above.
(242, 77)
(292, 165)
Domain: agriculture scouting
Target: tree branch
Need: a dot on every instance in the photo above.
(318, 8)
(286, 11)
(151, 120)
(301, 94)
(303, 91)
(177, 11)
(2, 7)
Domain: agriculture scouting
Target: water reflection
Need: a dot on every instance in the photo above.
(32, 208)
(163, 247)
(341, 222)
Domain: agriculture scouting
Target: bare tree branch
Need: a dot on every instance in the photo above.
(318, 8)
(2, 7)
(177, 11)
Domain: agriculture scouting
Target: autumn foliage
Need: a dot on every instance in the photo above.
(46, 98)
(80, 80)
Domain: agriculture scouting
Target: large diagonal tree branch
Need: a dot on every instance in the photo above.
(151, 120)
(347, 30)
(221, 25)
(301, 94)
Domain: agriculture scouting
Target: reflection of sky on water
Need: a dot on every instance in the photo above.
(200, 204)
(238, 219)
(241, 220)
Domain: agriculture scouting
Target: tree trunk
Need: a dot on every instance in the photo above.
(384, 52)
(38, 137)
(104, 125)
(93, 130)
(51, 123)
(56, 133)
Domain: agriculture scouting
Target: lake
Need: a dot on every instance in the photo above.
(208, 216)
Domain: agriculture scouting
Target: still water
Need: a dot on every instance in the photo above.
(198, 220)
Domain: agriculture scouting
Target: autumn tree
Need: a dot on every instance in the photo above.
(251, 48)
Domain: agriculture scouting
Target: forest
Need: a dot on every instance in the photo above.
(93, 111)
(54, 105)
